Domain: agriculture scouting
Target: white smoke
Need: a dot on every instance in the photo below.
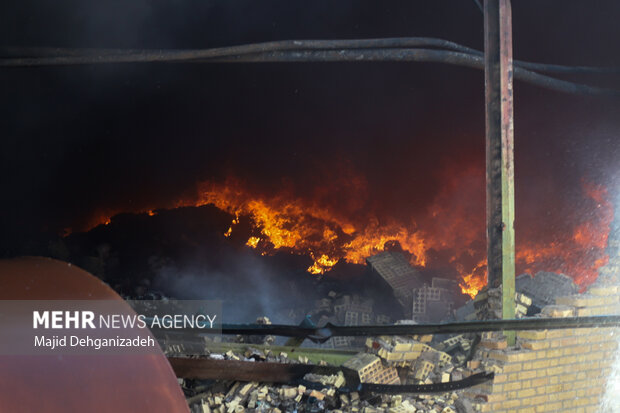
(611, 399)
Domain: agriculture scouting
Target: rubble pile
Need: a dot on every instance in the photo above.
(348, 310)
(385, 360)
(419, 361)
(241, 397)
(544, 287)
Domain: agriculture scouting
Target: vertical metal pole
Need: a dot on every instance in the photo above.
(499, 152)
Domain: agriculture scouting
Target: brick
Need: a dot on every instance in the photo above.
(532, 334)
(555, 311)
(527, 375)
(500, 397)
(526, 393)
(512, 356)
(610, 345)
(566, 395)
(494, 344)
(510, 368)
(543, 381)
(549, 407)
(511, 403)
(557, 333)
(572, 301)
(512, 386)
(552, 371)
(500, 378)
(567, 360)
(594, 356)
(576, 350)
(603, 291)
(539, 364)
(536, 400)
(568, 341)
(597, 390)
(534, 345)
(568, 377)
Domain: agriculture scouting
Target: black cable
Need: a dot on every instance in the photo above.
(479, 5)
(389, 49)
(473, 380)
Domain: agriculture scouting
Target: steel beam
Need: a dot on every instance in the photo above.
(498, 76)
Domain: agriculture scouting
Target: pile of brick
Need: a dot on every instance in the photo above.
(544, 287)
(459, 347)
(347, 310)
(238, 397)
(419, 362)
(387, 360)
(488, 304)
(370, 369)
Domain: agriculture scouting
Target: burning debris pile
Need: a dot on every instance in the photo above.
(445, 237)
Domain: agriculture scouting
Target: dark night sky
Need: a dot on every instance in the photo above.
(78, 139)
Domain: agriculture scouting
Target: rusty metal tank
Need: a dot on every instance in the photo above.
(78, 383)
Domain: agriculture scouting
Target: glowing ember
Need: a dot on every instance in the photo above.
(321, 264)
(253, 242)
(230, 228)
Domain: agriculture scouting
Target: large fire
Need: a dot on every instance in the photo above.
(451, 224)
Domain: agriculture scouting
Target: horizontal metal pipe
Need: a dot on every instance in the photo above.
(330, 330)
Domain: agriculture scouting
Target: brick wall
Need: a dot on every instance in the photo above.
(563, 370)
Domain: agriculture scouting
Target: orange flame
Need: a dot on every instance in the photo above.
(452, 223)
(253, 242)
(473, 281)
